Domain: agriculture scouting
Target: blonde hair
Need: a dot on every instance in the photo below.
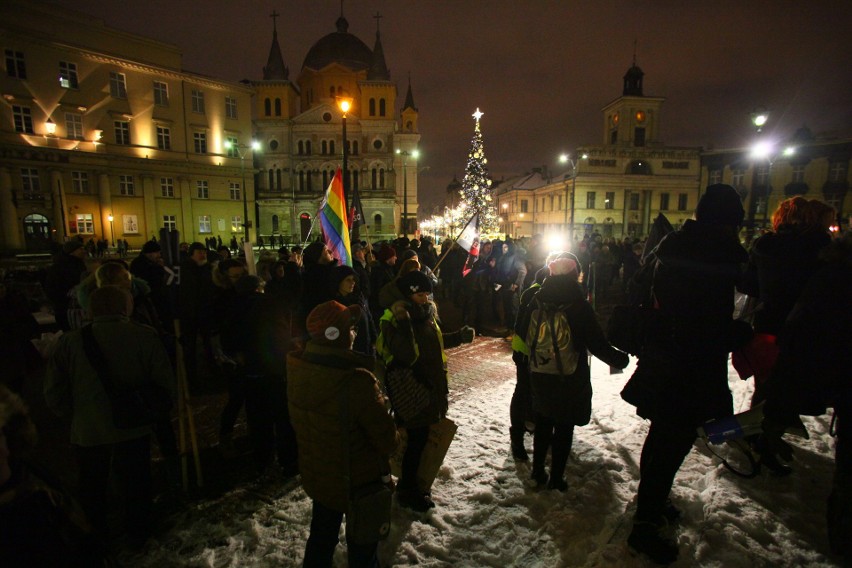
(409, 265)
(112, 274)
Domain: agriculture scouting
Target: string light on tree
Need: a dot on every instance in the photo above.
(476, 186)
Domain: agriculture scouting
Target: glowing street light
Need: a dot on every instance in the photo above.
(110, 218)
(405, 154)
(242, 151)
(566, 159)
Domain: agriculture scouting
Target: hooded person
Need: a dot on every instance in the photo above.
(320, 380)
(411, 338)
(681, 380)
(344, 281)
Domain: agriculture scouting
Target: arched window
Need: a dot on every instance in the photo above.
(381, 107)
(277, 107)
(375, 181)
(308, 147)
(339, 90)
(324, 147)
(300, 147)
(275, 223)
(267, 107)
(355, 178)
(310, 175)
(354, 147)
(301, 181)
(271, 184)
(377, 223)
(382, 178)
(278, 178)
(372, 107)
(331, 91)
(331, 147)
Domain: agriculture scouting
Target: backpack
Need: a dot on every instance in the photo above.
(551, 341)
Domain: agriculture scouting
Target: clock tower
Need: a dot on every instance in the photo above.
(632, 120)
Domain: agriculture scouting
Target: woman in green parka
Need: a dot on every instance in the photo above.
(411, 337)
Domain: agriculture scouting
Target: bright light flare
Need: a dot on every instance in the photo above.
(555, 242)
(761, 150)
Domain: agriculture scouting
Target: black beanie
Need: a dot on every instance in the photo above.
(720, 205)
(414, 282)
(312, 252)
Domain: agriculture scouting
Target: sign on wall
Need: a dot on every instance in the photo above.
(131, 224)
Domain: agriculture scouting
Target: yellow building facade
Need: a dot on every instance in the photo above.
(102, 135)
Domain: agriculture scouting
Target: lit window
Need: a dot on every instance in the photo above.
(202, 189)
(85, 223)
(715, 177)
(234, 190)
(74, 125)
(231, 107)
(125, 185)
(233, 149)
(15, 64)
(609, 202)
(236, 224)
(122, 132)
(590, 200)
(23, 119)
(164, 138)
(738, 178)
(204, 224)
(117, 85)
(167, 187)
(197, 101)
(161, 93)
(68, 75)
(80, 182)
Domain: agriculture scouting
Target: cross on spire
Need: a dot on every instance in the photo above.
(378, 18)
(634, 52)
(274, 15)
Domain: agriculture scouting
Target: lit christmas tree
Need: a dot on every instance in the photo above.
(476, 186)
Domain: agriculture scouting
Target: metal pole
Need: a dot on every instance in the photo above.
(245, 194)
(573, 194)
(345, 166)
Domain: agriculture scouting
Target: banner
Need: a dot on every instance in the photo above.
(335, 221)
(469, 238)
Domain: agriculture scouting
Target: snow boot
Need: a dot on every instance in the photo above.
(414, 500)
(671, 513)
(539, 477)
(519, 452)
(557, 483)
(647, 538)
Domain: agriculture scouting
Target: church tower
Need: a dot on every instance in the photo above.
(632, 120)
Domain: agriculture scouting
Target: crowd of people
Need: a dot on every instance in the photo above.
(308, 348)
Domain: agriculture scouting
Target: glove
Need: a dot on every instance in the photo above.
(467, 334)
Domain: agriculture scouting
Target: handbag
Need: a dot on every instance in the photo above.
(368, 510)
(408, 396)
(441, 435)
(132, 407)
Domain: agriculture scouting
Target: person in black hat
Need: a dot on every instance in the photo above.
(149, 267)
(410, 337)
(681, 380)
(65, 273)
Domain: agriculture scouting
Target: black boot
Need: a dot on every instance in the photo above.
(647, 538)
(519, 452)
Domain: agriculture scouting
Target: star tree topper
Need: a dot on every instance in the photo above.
(478, 114)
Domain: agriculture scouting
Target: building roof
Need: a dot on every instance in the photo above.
(275, 70)
(339, 47)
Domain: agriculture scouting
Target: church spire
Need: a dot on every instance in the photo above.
(378, 68)
(409, 98)
(275, 70)
(633, 78)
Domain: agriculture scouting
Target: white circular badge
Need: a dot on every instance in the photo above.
(332, 333)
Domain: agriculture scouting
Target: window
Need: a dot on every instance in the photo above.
(117, 85)
(68, 75)
(275, 223)
(169, 223)
(837, 171)
(760, 205)
(278, 179)
(301, 147)
(277, 107)
(715, 177)
(236, 223)
(560, 201)
(682, 201)
(798, 174)
(85, 223)
(125, 185)
(613, 137)
(234, 190)
(197, 101)
(161, 94)
(308, 147)
(167, 187)
(590, 200)
(524, 206)
(202, 191)
(30, 181)
(738, 178)
(15, 64)
(80, 182)
(381, 107)
(23, 119)
(761, 174)
(609, 202)
(204, 224)
(200, 140)
(233, 147)
(74, 125)
(638, 136)
(122, 132)
(164, 138)
(324, 147)
(267, 107)
(230, 107)
(664, 202)
(372, 107)
(377, 223)
(634, 201)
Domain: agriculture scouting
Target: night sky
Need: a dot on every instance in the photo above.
(542, 70)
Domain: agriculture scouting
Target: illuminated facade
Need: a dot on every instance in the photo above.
(300, 130)
(97, 122)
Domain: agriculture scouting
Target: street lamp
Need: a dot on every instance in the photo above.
(242, 150)
(566, 159)
(345, 104)
(111, 229)
(405, 154)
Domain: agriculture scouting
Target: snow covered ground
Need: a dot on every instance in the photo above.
(488, 515)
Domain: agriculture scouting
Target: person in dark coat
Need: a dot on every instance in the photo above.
(316, 279)
(411, 337)
(813, 373)
(195, 296)
(345, 281)
(681, 380)
(383, 272)
(149, 267)
(780, 263)
(562, 402)
(511, 273)
(18, 328)
(63, 275)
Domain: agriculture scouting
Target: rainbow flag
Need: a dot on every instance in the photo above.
(335, 222)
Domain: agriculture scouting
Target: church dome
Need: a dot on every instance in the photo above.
(339, 47)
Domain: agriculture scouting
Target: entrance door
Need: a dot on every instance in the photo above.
(37, 232)
(305, 226)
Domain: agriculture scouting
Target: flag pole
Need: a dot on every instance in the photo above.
(455, 240)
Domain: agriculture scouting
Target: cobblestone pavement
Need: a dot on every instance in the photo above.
(485, 361)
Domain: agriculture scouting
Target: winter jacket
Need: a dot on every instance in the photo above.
(196, 290)
(417, 342)
(779, 266)
(155, 275)
(682, 376)
(257, 333)
(72, 387)
(65, 273)
(568, 399)
(316, 378)
(511, 269)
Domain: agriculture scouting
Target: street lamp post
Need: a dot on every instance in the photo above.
(111, 229)
(345, 104)
(566, 159)
(242, 151)
(405, 154)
